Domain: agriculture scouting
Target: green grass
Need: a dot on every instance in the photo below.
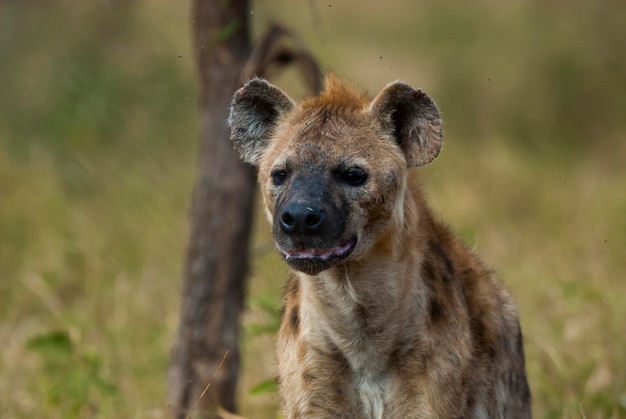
(98, 150)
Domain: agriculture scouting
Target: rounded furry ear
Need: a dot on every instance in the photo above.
(254, 112)
(412, 119)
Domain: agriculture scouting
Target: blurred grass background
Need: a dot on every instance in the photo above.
(98, 153)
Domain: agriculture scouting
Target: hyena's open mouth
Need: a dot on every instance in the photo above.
(315, 260)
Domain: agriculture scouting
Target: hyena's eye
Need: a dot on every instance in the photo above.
(353, 176)
(279, 176)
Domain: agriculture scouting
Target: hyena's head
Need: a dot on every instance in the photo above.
(333, 168)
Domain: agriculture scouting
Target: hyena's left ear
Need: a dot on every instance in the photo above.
(254, 112)
(412, 118)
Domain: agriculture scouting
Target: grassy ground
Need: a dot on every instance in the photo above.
(98, 140)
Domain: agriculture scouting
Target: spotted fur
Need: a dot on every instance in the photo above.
(387, 314)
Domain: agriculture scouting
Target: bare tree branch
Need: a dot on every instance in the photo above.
(274, 49)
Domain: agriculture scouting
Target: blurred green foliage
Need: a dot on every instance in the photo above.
(544, 75)
(98, 139)
(73, 381)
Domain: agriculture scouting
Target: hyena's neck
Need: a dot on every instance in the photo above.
(366, 308)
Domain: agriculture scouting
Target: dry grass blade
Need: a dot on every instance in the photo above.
(207, 386)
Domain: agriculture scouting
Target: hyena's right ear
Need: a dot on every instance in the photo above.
(254, 112)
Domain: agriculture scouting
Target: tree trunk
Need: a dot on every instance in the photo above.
(204, 362)
(206, 351)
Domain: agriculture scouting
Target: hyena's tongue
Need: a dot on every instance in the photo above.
(323, 254)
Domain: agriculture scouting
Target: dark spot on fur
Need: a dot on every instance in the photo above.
(436, 311)
(292, 289)
(429, 270)
(471, 402)
(479, 336)
(405, 351)
(308, 377)
(330, 351)
(438, 250)
(361, 313)
(363, 319)
(372, 331)
(294, 319)
(336, 354)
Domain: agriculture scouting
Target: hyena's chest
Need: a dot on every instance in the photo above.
(371, 391)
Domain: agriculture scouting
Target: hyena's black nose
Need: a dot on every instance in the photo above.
(301, 218)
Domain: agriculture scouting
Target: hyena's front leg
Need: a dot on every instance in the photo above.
(319, 379)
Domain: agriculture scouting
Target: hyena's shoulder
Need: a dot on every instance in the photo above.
(465, 294)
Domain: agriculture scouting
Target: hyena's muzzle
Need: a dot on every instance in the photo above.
(309, 226)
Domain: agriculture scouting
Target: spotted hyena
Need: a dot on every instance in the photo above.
(387, 314)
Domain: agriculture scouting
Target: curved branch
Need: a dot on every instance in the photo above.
(272, 50)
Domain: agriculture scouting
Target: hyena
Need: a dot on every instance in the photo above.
(386, 314)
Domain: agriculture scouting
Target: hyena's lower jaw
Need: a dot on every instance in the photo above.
(314, 261)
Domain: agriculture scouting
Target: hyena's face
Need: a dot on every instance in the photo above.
(329, 187)
(333, 169)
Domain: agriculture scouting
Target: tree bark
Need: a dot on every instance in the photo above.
(205, 355)
(221, 214)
